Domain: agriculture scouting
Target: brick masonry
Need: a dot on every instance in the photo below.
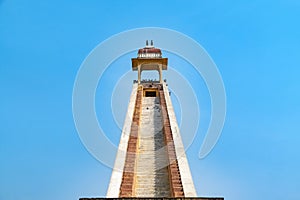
(127, 185)
(174, 173)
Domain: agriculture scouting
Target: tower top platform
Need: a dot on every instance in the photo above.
(149, 58)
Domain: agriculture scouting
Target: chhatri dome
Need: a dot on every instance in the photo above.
(149, 51)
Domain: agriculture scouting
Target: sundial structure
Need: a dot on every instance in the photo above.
(151, 161)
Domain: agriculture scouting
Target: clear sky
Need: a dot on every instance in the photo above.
(255, 44)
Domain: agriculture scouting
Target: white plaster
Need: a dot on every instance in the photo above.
(186, 177)
(117, 173)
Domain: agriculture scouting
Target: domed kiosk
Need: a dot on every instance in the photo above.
(149, 58)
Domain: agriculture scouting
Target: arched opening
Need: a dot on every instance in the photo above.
(150, 75)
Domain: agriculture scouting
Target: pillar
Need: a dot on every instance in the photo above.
(139, 74)
(160, 74)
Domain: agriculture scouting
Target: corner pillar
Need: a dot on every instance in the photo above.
(139, 74)
(160, 74)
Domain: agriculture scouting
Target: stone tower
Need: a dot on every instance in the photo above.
(151, 161)
(154, 164)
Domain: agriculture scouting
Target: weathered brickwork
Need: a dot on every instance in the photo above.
(127, 185)
(174, 173)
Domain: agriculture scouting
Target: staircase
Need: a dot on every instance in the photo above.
(152, 179)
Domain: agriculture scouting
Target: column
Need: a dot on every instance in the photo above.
(160, 74)
(139, 74)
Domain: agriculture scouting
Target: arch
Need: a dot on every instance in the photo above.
(156, 67)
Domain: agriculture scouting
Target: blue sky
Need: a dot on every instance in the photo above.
(255, 45)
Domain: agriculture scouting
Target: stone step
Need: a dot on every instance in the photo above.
(151, 180)
(151, 190)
